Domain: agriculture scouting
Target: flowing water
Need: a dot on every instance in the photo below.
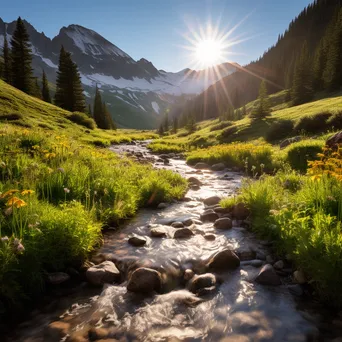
(238, 310)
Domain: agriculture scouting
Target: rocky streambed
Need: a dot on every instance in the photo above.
(186, 271)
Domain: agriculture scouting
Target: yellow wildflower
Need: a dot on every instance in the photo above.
(27, 192)
(316, 177)
(9, 193)
(16, 202)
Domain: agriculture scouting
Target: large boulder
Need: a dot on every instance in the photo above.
(144, 280)
(137, 241)
(334, 141)
(223, 223)
(209, 215)
(240, 211)
(183, 233)
(177, 224)
(106, 272)
(213, 200)
(224, 260)
(218, 167)
(299, 277)
(199, 282)
(57, 278)
(268, 276)
(201, 166)
(209, 236)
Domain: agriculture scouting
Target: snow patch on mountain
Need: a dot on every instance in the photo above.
(155, 107)
(48, 62)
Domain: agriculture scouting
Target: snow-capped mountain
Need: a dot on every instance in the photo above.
(136, 92)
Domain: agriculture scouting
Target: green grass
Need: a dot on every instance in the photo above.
(59, 187)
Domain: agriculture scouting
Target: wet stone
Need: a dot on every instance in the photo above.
(218, 167)
(279, 265)
(295, 290)
(223, 223)
(240, 211)
(106, 272)
(268, 276)
(162, 206)
(210, 237)
(158, 232)
(224, 260)
(55, 331)
(299, 277)
(209, 215)
(188, 274)
(213, 200)
(177, 225)
(57, 278)
(194, 180)
(137, 241)
(144, 280)
(183, 233)
(188, 222)
(202, 281)
(201, 166)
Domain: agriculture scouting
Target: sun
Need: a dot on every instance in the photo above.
(209, 52)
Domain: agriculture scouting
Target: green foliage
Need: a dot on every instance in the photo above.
(279, 130)
(335, 121)
(21, 59)
(313, 123)
(11, 117)
(69, 92)
(298, 154)
(221, 125)
(82, 119)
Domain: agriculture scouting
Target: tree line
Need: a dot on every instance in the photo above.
(16, 70)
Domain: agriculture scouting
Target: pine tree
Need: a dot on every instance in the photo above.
(35, 89)
(166, 122)
(244, 110)
(107, 118)
(333, 73)
(98, 109)
(89, 111)
(161, 129)
(69, 91)
(7, 73)
(263, 108)
(21, 58)
(302, 84)
(45, 89)
(318, 67)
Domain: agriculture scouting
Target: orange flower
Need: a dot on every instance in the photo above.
(9, 193)
(27, 192)
(16, 202)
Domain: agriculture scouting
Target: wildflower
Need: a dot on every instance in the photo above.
(60, 169)
(2, 164)
(66, 190)
(316, 177)
(50, 155)
(9, 193)
(27, 192)
(16, 202)
(5, 239)
(49, 170)
(18, 246)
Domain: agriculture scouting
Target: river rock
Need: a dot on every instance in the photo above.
(144, 280)
(137, 241)
(295, 289)
(202, 281)
(224, 260)
(240, 211)
(201, 166)
(183, 233)
(106, 272)
(299, 277)
(209, 215)
(256, 263)
(334, 141)
(194, 180)
(221, 210)
(188, 222)
(289, 141)
(213, 200)
(268, 276)
(209, 237)
(162, 206)
(177, 225)
(57, 278)
(279, 265)
(158, 232)
(223, 223)
(218, 167)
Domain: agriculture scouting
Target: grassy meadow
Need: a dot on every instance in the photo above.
(59, 187)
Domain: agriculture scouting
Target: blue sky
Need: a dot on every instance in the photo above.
(154, 29)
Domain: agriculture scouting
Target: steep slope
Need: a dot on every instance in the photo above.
(276, 65)
(135, 90)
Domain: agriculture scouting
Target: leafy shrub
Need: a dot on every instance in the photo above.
(221, 125)
(335, 121)
(298, 154)
(82, 119)
(11, 117)
(227, 133)
(314, 123)
(279, 130)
